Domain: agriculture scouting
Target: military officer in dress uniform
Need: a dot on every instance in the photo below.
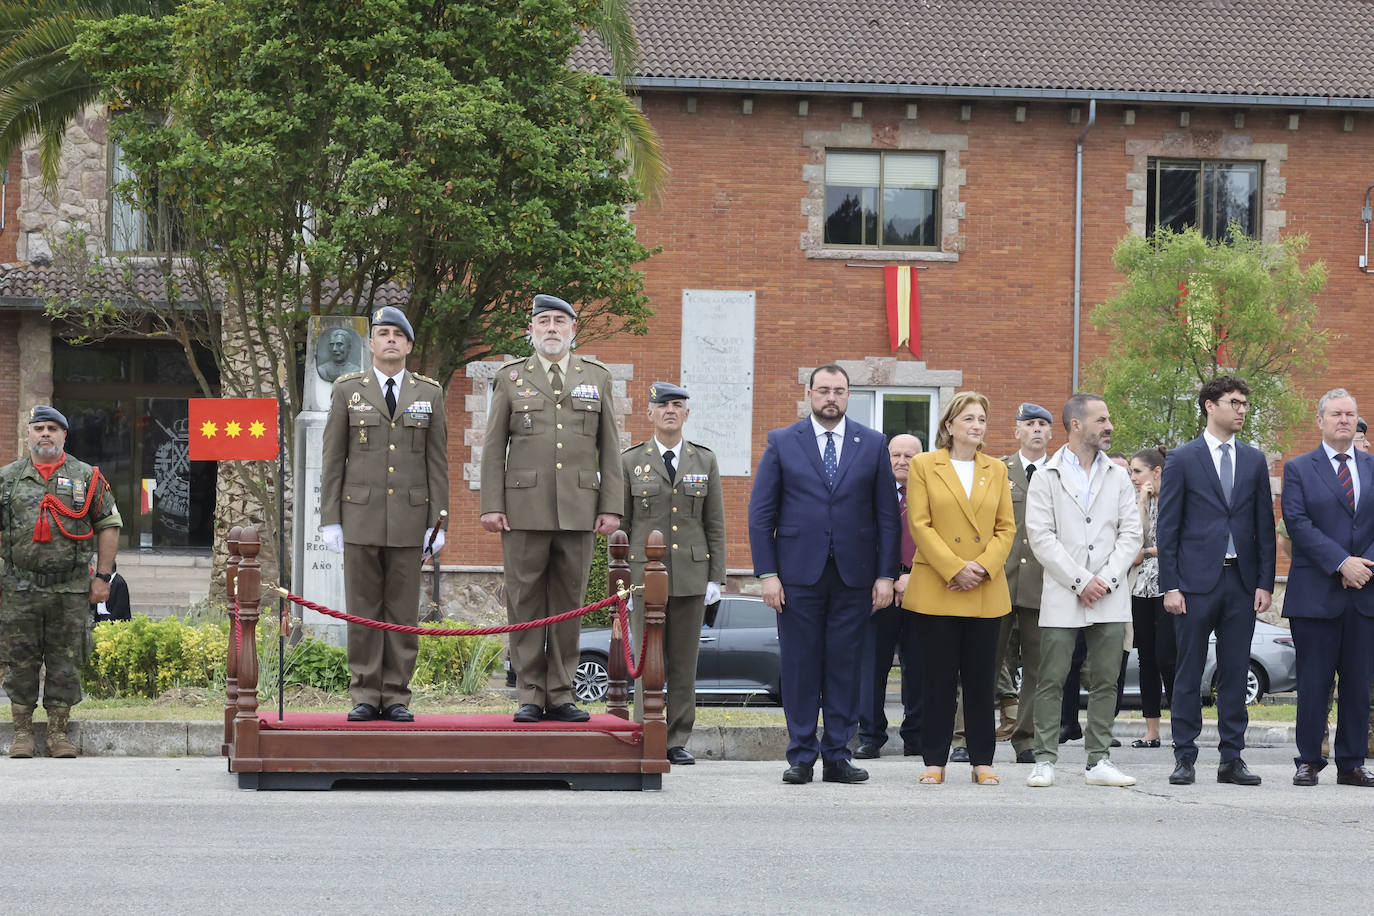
(1034, 429)
(673, 486)
(551, 482)
(55, 512)
(384, 482)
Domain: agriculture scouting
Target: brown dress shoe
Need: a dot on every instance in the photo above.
(1306, 775)
(1360, 776)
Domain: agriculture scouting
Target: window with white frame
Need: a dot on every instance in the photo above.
(138, 226)
(895, 411)
(882, 199)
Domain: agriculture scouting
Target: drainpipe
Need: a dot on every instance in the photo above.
(1078, 241)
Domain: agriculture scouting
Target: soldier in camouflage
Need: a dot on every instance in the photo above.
(54, 512)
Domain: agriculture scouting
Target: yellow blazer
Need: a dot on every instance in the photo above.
(950, 529)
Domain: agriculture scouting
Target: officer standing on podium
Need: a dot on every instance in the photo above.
(551, 482)
(673, 486)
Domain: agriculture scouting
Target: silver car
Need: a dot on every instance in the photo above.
(739, 660)
(1273, 666)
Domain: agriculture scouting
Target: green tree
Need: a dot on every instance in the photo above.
(1191, 310)
(312, 152)
(42, 88)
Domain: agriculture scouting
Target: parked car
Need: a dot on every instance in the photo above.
(1273, 667)
(738, 660)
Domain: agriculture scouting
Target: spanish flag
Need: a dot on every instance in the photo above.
(903, 309)
(233, 429)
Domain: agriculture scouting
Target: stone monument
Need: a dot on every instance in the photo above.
(333, 347)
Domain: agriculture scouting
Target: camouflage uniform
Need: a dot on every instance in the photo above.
(45, 614)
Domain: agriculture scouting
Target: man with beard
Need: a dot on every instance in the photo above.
(551, 482)
(1085, 530)
(54, 511)
(824, 533)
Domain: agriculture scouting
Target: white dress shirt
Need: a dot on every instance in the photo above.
(677, 454)
(1082, 478)
(1331, 454)
(820, 432)
(382, 379)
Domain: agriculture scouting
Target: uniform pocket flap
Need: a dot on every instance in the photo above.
(695, 489)
(420, 421)
(646, 487)
(586, 403)
(364, 418)
(419, 496)
(589, 480)
(520, 479)
(699, 552)
(526, 404)
(356, 494)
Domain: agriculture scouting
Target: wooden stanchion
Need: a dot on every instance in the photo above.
(617, 577)
(651, 681)
(231, 659)
(250, 599)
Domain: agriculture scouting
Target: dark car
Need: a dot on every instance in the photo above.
(738, 660)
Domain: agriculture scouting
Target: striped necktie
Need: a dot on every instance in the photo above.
(1343, 478)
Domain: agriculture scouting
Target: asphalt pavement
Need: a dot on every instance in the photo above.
(160, 835)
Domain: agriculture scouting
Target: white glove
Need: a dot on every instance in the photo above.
(436, 546)
(332, 535)
(712, 592)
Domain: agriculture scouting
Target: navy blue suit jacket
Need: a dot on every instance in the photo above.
(1194, 520)
(1325, 531)
(795, 517)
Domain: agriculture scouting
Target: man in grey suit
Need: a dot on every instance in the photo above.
(1034, 430)
(673, 486)
(551, 482)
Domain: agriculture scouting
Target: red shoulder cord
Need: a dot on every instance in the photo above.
(50, 505)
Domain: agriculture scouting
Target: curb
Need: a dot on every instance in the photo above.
(97, 738)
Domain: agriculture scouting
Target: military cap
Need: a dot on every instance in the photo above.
(1029, 411)
(1361, 426)
(543, 303)
(42, 413)
(663, 392)
(390, 315)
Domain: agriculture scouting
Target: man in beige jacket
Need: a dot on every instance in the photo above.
(1085, 531)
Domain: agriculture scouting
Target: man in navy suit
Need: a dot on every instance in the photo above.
(1328, 509)
(824, 533)
(1215, 535)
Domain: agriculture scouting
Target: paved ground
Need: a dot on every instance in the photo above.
(176, 836)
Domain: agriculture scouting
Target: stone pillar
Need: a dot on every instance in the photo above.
(35, 369)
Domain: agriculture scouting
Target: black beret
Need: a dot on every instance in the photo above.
(663, 392)
(1361, 426)
(390, 315)
(1029, 411)
(43, 413)
(543, 303)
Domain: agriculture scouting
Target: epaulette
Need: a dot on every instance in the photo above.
(426, 378)
(348, 377)
(597, 363)
(514, 362)
(699, 445)
(635, 446)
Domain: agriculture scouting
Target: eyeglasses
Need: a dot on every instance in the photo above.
(1236, 404)
(827, 392)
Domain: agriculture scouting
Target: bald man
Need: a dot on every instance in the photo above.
(892, 629)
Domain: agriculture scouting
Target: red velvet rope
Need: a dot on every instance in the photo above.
(630, 668)
(474, 631)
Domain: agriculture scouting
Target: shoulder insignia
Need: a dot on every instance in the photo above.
(349, 376)
(426, 378)
(633, 447)
(698, 445)
(591, 362)
(514, 362)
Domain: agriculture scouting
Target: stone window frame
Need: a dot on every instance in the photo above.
(906, 137)
(1217, 146)
(475, 405)
(889, 372)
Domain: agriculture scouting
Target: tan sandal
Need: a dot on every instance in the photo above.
(986, 777)
(933, 776)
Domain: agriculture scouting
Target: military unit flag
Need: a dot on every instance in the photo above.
(233, 429)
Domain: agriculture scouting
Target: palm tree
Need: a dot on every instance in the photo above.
(614, 25)
(42, 89)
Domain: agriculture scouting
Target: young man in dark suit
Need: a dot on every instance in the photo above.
(1328, 510)
(824, 533)
(1216, 567)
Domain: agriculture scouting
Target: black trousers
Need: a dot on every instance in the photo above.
(1155, 644)
(957, 650)
(890, 629)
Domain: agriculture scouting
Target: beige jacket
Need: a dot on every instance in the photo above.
(1073, 545)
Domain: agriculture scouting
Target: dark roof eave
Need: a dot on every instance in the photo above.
(1002, 92)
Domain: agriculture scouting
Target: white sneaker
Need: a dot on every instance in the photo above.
(1106, 774)
(1042, 776)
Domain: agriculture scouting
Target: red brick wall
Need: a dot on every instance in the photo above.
(732, 219)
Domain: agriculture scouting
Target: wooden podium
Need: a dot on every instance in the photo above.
(317, 751)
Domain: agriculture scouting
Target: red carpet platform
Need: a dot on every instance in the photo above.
(320, 750)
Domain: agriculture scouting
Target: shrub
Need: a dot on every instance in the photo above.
(144, 657)
(463, 663)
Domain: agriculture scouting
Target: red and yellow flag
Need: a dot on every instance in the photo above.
(233, 428)
(903, 308)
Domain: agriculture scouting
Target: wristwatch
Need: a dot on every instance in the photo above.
(104, 577)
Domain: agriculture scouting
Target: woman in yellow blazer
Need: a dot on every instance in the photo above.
(959, 510)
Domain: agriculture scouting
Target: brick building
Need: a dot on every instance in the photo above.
(810, 144)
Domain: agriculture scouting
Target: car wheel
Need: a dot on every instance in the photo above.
(1255, 684)
(592, 678)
